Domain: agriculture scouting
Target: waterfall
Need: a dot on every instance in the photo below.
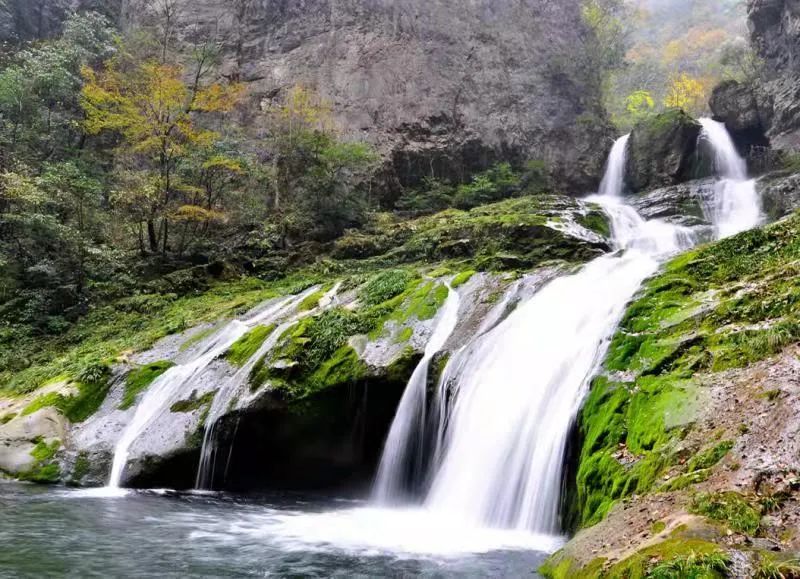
(507, 400)
(403, 454)
(163, 391)
(613, 183)
(736, 205)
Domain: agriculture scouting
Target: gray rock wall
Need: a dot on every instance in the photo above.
(443, 88)
(775, 32)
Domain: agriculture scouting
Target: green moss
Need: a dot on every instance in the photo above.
(710, 457)
(81, 468)
(312, 301)
(246, 346)
(344, 367)
(194, 402)
(8, 418)
(682, 554)
(78, 407)
(658, 527)
(425, 302)
(385, 286)
(730, 508)
(724, 305)
(462, 278)
(596, 221)
(134, 324)
(139, 380)
(44, 470)
(405, 335)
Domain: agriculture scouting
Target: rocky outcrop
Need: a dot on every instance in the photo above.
(746, 113)
(662, 151)
(441, 89)
(22, 20)
(780, 194)
(775, 32)
(683, 204)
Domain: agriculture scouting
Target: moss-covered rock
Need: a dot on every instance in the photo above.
(721, 306)
(662, 151)
(525, 227)
(139, 379)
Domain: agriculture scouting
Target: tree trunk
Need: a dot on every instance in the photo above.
(151, 235)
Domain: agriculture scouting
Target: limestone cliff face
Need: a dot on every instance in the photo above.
(442, 88)
(775, 31)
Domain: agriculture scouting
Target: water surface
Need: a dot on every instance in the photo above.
(46, 532)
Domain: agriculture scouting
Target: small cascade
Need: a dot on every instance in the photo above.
(164, 390)
(402, 462)
(613, 183)
(736, 205)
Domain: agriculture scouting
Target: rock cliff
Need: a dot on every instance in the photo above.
(775, 30)
(442, 89)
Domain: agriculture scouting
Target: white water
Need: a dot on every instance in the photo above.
(403, 451)
(503, 428)
(163, 391)
(736, 206)
(613, 184)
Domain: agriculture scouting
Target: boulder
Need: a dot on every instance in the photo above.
(682, 204)
(20, 436)
(662, 151)
(746, 112)
(780, 194)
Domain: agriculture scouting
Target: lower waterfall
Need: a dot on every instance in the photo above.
(507, 401)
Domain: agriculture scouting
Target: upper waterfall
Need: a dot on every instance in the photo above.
(736, 205)
(613, 182)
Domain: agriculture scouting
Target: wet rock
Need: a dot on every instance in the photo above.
(775, 34)
(662, 152)
(682, 204)
(746, 112)
(780, 194)
(19, 437)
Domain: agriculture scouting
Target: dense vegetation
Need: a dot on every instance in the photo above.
(132, 173)
(669, 54)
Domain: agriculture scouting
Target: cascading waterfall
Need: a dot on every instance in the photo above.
(161, 394)
(736, 205)
(507, 401)
(403, 456)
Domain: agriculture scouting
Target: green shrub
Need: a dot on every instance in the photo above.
(384, 286)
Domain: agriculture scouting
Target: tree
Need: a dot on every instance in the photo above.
(320, 182)
(40, 88)
(156, 113)
(639, 105)
(687, 93)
